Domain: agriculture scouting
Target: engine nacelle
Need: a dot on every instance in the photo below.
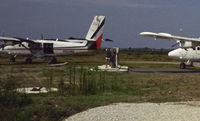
(187, 44)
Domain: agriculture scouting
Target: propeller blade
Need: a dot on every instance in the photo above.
(175, 44)
(2, 45)
(108, 40)
(42, 36)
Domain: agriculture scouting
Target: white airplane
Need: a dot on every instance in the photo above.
(188, 51)
(49, 48)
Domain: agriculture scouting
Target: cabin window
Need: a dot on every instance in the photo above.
(35, 46)
(48, 48)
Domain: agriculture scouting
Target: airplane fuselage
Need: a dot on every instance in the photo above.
(191, 54)
(47, 48)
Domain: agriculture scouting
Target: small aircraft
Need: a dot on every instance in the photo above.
(188, 51)
(49, 48)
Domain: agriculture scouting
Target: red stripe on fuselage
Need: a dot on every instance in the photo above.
(53, 49)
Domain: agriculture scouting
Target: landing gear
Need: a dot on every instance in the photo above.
(52, 60)
(189, 63)
(12, 59)
(28, 61)
(182, 65)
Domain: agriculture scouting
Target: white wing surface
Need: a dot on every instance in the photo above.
(169, 36)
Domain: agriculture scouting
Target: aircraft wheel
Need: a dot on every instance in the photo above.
(12, 59)
(182, 65)
(28, 61)
(53, 60)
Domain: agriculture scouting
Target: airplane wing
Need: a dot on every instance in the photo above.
(14, 40)
(169, 36)
(33, 46)
(9, 39)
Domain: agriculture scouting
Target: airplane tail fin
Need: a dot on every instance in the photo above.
(95, 32)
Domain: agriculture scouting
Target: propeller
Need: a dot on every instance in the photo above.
(181, 34)
(2, 45)
(175, 44)
(42, 36)
(108, 40)
(181, 31)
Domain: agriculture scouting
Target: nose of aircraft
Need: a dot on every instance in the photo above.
(174, 53)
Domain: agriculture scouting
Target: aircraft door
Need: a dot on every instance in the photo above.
(48, 48)
(35, 48)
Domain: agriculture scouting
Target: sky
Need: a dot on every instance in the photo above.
(125, 19)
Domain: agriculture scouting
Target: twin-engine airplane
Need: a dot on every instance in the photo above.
(49, 48)
(188, 52)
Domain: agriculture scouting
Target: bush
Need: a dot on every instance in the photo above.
(85, 82)
(8, 94)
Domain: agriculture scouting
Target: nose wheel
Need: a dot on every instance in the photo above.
(182, 65)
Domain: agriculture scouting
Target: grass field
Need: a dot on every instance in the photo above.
(81, 89)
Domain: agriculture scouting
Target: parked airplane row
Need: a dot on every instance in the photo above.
(188, 51)
(49, 48)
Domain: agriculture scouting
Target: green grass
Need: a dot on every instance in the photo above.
(164, 99)
(81, 89)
